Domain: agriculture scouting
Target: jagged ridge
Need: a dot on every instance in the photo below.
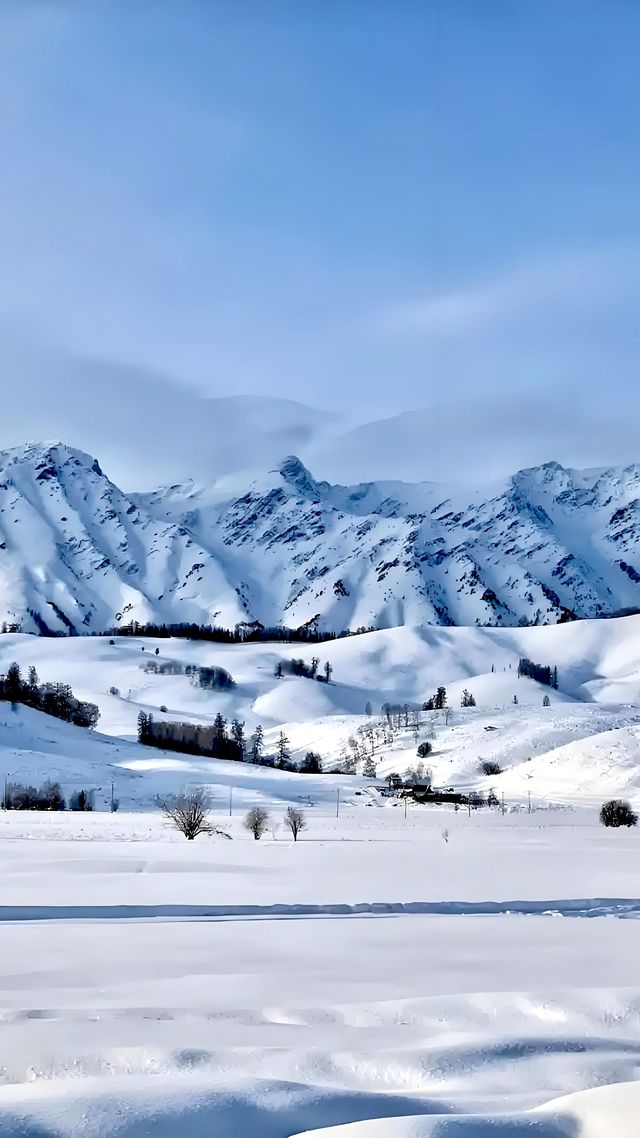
(77, 554)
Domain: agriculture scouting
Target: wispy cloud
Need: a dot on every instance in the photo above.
(550, 288)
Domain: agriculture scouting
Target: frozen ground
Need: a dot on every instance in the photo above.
(151, 986)
(390, 975)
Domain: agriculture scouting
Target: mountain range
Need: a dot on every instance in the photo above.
(78, 555)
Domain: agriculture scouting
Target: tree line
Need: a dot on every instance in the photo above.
(311, 671)
(221, 740)
(54, 699)
(543, 673)
(251, 632)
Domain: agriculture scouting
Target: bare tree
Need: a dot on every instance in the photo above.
(295, 820)
(256, 822)
(189, 813)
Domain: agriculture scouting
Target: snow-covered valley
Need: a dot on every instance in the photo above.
(403, 969)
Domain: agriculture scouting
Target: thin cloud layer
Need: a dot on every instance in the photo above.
(203, 201)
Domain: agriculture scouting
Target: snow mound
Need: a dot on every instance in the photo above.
(604, 1112)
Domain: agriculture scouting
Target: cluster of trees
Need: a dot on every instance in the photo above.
(214, 678)
(10, 627)
(169, 667)
(252, 631)
(412, 775)
(217, 740)
(436, 702)
(359, 749)
(399, 715)
(310, 671)
(257, 821)
(211, 677)
(543, 673)
(221, 740)
(49, 796)
(54, 699)
(190, 814)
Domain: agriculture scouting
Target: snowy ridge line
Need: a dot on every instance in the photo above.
(78, 555)
(581, 907)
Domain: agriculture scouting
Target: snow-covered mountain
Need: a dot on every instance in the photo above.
(76, 553)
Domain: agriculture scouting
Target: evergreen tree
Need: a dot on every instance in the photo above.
(369, 768)
(220, 726)
(328, 669)
(284, 753)
(13, 683)
(311, 764)
(237, 736)
(257, 743)
(143, 726)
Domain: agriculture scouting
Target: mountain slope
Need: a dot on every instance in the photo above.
(77, 554)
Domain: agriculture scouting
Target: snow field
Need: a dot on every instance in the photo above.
(434, 972)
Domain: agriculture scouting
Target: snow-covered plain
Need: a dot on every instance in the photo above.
(393, 973)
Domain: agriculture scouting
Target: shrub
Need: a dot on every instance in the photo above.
(114, 691)
(616, 812)
(490, 766)
(256, 822)
(46, 797)
(424, 749)
(189, 813)
(82, 800)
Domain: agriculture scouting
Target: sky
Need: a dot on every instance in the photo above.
(369, 207)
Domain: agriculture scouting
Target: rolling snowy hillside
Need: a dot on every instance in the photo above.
(79, 555)
(584, 744)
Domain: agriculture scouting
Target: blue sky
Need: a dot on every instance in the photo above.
(366, 205)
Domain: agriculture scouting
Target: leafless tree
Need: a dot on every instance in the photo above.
(256, 822)
(295, 820)
(189, 813)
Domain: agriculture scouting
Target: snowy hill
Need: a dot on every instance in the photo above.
(77, 554)
(584, 744)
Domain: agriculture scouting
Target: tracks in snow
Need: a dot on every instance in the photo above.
(621, 908)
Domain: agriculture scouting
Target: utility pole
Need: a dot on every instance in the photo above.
(503, 809)
(230, 801)
(405, 807)
(112, 798)
(529, 805)
(338, 803)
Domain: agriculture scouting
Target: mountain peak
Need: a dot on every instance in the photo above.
(293, 470)
(78, 554)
